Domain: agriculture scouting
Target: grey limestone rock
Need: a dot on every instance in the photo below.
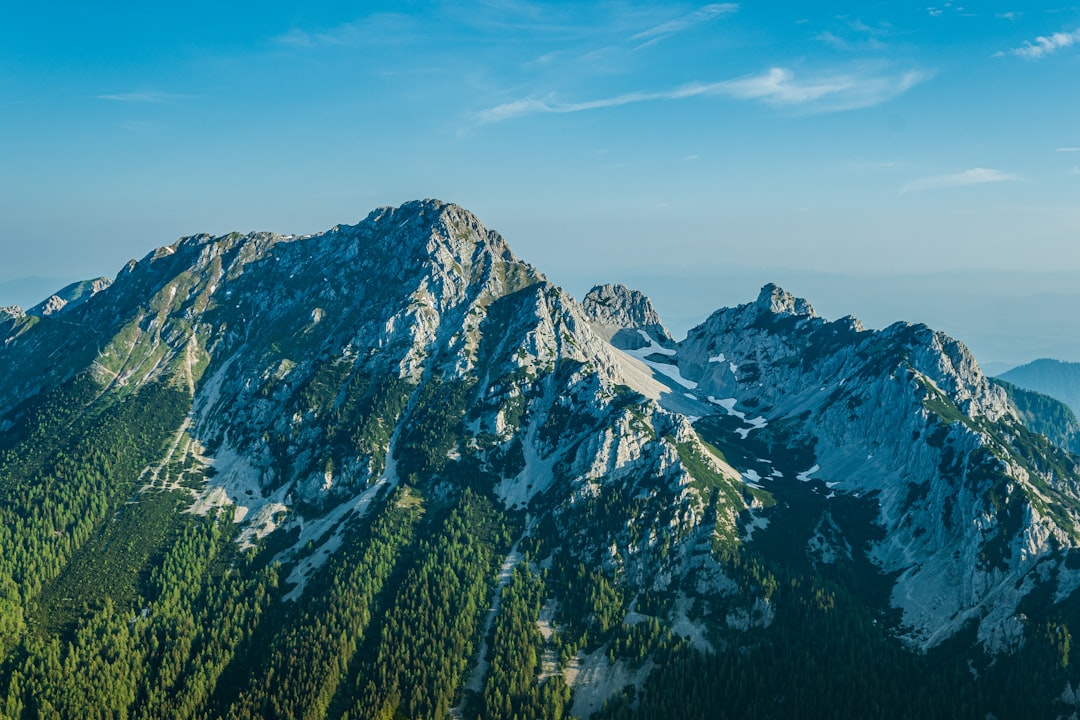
(624, 313)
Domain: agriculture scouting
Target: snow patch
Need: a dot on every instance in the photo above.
(652, 347)
(669, 371)
(729, 405)
(755, 424)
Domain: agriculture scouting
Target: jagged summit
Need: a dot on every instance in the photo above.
(398, 237)
(624, 314)
(774, 299)
(616, 304)
(69, 297)
(9, 317)
(443, 227)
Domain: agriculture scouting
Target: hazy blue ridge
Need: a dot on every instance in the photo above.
(1055, 378)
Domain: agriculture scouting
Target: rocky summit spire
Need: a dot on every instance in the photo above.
(625, 312)
(615, 304)
(776, 300)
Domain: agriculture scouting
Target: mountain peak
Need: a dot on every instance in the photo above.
(617, 306)
(448, 232)
(774, 299)
(69, 297)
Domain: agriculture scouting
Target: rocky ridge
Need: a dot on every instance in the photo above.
(414, 348)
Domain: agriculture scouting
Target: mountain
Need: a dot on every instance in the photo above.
(391, 470)
(69, 297)
(1045, 415)
(1055, 378)
(28, 290)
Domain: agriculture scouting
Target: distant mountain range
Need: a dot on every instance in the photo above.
(28, 291)
(1055, 378)
(391, 470)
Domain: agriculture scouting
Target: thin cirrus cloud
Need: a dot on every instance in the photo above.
(382, 28)
(777, 86)
(144, 97)
(1043, 45)
(975, 176)
(664, 30)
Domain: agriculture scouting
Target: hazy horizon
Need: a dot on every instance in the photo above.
(1006, 319)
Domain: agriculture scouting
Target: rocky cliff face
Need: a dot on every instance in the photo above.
(622, 315)
(902, 417)
(416, 349)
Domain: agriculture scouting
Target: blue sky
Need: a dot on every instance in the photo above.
(742, 142)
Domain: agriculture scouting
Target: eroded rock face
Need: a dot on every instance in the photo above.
(620, 306)
(69, 297)
(903, 416)
(626, 317)
(52, 305)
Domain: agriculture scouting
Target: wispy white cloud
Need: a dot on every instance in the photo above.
(382, 28)
(304, 39)
(1043, 45)
(534, 106)
(825, 93)
(867, 37)
(952, 9)
(835, 40)
(664, 30)
(145, 97)
(975, 176)
(777, 86)
(1068, 149)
